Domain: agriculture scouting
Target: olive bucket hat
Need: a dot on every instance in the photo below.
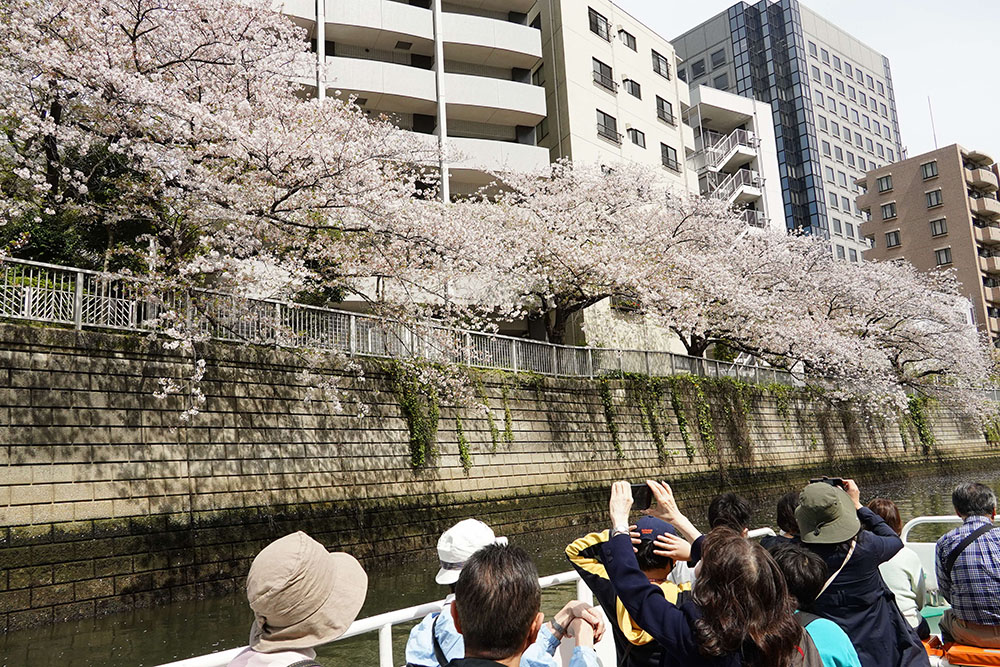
(302, 595)
(826, 515)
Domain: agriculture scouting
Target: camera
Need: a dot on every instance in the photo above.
(642, 496)
(832, 481)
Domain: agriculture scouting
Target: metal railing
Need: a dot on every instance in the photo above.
(383, 624)
(718, 151)
(742, 178)
(754, 218)
(80, 298)
(609, 133)
(605, 81)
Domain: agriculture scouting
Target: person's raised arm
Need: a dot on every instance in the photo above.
(667, 510)
(643, 601)
(885, 541)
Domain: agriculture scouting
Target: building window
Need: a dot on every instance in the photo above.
(855, 118)
(939, 227)
(942, 256)
(863, 99)
(829, 174)
(870, 81)
(669, 157)
(812, 49)
(934, 199)
(847, 134)
(869, 145)
(538, 76)
(826, 148)
(850, 159)
(862, 165)
(841, 179)
(883, 110)
(607, 127)
(841, 253)
(697, 68)
(818, 98)
(662, 67)
(840, 86)
(718, 58)
(599, 25)
(838, 153)
(843, 110)
(837, 229)
(638, 137)
(665, 111)
(854, 255)
(828, 80)
(541, 130)
(682, 75)
(852, 94)
(929, 170)
(824, 55)
(847, 203)
(604, 77)
(885, 183)
(721, 82)
(859, 75)
(892, 156)
(880, 149)
(849, 228)
(848, 70)
(835, 128)
(628, 39)
(857, 140)
(822, 123)
(633, 88)
(836, 63)
(815, 73)
(889, 211)
(834, 200)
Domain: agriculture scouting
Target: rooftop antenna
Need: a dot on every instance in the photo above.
(933, 130)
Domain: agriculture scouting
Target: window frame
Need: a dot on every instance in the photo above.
(659, 60)
(930, 200)
(891, 205)
(923, 170)
(628, 39)
(887, 181)
(895, 234)
(670, 163)
(635, 133)
(937, 256)
(594, 19)
(665, 115)
(943, 227)
(610, 132)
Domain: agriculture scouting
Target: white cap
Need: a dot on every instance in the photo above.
(458, 543)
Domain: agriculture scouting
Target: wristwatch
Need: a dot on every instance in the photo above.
(623, 530)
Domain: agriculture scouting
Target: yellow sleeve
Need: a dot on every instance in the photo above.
(581, 553)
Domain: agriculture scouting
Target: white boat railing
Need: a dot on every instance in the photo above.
(383, 623)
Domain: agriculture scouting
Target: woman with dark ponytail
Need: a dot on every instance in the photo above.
(739, 614)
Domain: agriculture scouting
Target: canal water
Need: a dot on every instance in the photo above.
(155, 636)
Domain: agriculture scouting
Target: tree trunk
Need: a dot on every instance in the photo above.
(556, 325)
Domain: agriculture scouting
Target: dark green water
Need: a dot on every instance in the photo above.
(155, 636)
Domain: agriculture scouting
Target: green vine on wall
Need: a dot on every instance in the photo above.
(481, 394)
(419, 404)
(609, 416)
(918, 415)
(463, 444)
(991, 430)
(782, 394)
(682, 422)
(508, 418)
(649, 395)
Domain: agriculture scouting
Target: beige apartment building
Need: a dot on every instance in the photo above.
(940, 210)
(611, 89)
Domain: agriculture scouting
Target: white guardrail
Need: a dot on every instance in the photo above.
(77, 297)
(382, 623)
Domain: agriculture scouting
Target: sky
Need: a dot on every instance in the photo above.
(936, 49)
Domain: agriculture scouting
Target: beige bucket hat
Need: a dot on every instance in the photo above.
(302, 595)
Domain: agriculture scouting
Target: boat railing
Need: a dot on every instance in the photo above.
(382, 623)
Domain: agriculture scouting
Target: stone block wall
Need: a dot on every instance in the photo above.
(110, 500)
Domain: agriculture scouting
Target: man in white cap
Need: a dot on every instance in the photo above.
(302, 596)
(435, 641)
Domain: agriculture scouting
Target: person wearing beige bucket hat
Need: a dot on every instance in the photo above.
(302, 596)
(853, 541)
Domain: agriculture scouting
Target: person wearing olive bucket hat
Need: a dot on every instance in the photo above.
(302, 596)
(853, 541)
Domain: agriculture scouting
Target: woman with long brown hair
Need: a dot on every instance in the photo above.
(739, 614)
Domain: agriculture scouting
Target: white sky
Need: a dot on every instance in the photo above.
(944, 50)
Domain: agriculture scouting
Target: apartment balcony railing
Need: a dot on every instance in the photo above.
(989, 235)
(989, 264)
(667, 117)
(672, 164)
(992, 294)
(754, 218)
(722, 153)
(605, 81)
(730, 187)
(981, 178)
(609, 133)
(986, 207)
(88, 299)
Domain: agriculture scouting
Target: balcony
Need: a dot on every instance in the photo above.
(605, 82)
(386, 86)
(609, 133)
(496, 101)
(992, 294)
(988, 235)
(475, 158)
(490, 41)
(986, 207)
(989, 264)
(666, 116)
(732, 152)
(982, 179)
(378, 24)
(754, 218)
(742, 187)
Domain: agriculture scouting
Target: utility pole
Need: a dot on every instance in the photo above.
(933, 129)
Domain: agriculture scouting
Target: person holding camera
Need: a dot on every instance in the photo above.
(854, 541)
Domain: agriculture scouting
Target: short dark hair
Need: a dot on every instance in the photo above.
(973, 499)
(887, 509)
(729, 510)
(650, 561)
(805, 572)
(786, 512)
(497, 597)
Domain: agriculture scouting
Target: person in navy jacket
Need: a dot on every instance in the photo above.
(739, 613)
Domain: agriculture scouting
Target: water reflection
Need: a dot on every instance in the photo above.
(154, 636)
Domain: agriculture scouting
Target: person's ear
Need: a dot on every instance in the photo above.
(454, 617)
(536, 625)
(746, 531)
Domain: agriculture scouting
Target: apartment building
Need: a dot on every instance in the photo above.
(736, 158)
(461, 70)
(611, 89)
(832, 101)
(940, 210)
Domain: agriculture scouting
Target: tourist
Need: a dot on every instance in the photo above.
(730, 510)
(739, 612)
(805, 572)
(787, 528)
(496, 610)
(853, 541)
(435, 640)
(302, 596)
(635, 647)
(903, 573)
(968, 569)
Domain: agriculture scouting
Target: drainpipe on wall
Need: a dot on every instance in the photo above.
(442, 115)
(321, 49)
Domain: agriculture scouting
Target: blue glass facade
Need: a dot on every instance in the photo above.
(770, 59)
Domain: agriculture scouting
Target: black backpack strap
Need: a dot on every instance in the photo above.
(438, 651)
(949, 562)
(805, 618)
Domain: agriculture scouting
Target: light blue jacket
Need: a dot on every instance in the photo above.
(420, 647)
